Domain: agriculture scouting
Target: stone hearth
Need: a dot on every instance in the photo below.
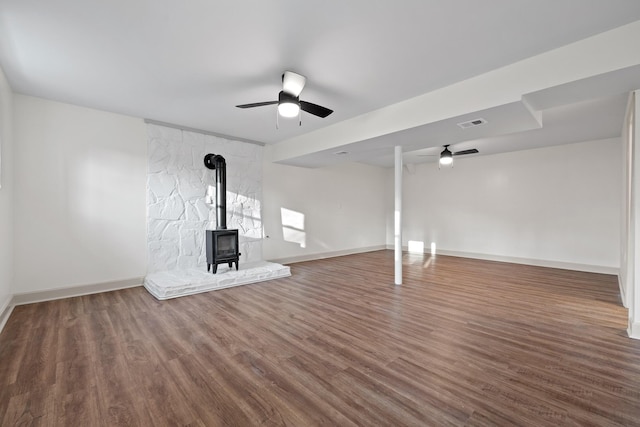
(177, 283)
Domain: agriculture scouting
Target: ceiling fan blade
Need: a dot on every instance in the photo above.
(257, 104)
(315, 109)
(460, 153)
(293, 83)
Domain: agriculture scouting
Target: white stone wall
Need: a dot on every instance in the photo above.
(176, 187)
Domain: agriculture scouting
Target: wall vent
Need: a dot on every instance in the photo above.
(472, 123)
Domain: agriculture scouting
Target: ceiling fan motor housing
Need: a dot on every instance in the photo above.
(284, 98)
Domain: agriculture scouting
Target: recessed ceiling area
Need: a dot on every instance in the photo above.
(380, 66)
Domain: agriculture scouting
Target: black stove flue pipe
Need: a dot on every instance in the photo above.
(217, 163)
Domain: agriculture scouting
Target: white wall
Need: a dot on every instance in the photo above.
(80, 178)
(314, 212)
(559, 204)
(6, 193)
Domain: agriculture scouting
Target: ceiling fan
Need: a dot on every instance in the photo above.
(289, 103)
(446, 156)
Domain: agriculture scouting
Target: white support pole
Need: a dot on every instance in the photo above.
(633, 255)
(397, 221)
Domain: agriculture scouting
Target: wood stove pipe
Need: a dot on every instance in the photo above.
(217, 163)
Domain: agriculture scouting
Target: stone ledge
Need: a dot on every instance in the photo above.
(177, 283)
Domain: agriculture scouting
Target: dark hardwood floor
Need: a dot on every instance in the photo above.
(462, 342)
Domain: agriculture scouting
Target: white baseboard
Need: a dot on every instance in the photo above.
(323, 255)
(75, 291)
(634, 330)
(528, 261)
(5, 311)
(623, 294)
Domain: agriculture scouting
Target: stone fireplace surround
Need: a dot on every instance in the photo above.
(178, 213)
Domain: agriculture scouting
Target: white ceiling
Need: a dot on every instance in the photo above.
(189, 63)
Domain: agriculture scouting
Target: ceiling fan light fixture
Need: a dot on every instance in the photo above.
(288, 105)
(288, 109)
(446, 161)
(446, 157)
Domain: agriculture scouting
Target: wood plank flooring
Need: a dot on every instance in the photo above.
(461, 343)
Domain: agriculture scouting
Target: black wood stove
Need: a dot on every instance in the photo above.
(222, 244)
